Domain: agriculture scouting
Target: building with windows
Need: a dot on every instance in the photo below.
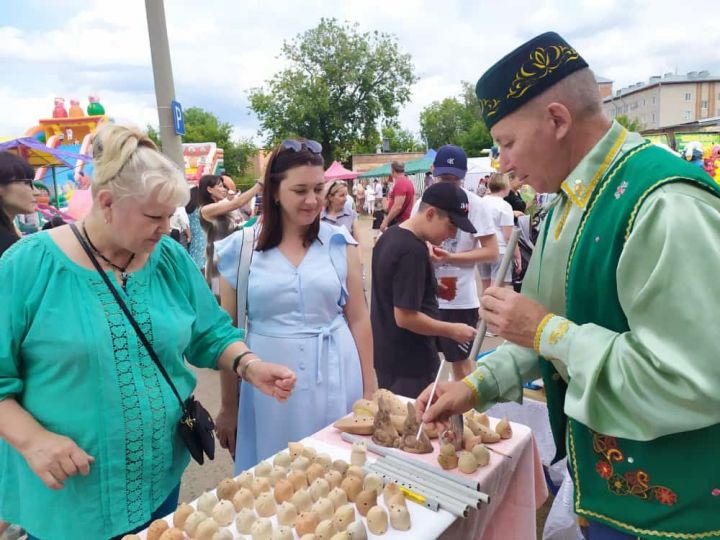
(668, 100)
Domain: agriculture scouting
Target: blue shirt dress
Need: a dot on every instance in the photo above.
(295, 318)
(198, 242)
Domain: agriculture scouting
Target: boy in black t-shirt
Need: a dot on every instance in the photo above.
(404, 309)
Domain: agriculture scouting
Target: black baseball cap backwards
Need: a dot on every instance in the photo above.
(451, 198)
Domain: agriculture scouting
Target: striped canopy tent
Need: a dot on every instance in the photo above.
(337, 172)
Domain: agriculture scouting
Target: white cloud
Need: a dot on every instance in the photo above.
(221, 48)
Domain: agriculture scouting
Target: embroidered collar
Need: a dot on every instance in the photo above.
(582, 181)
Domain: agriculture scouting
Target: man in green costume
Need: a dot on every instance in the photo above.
(617, 307)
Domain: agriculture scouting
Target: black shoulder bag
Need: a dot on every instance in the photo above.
(196, 427)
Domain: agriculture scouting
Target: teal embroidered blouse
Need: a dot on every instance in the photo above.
(69, 356)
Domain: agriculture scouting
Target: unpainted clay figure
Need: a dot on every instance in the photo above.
(261, 529)
(319, 489)
(410, 442)
(325, 530)
(355, 425)
(333, 478)
(356, 530)
(223, 513)
(390, 490)
(172, 534)
(397, 500)
(309, 452)
(377, 520)
(338, 497)
(222, 534)
(309, 536)
(340, 466)
(260, 485)
(284, 490)
(373, 481)
(365, 500)
(245, 479)
(287, 514)
(447, 458)
(244, 520)
(340, 536)
(395, 404)
(400, 518)
(282, 533)
(276, 474)
(343, 517)
(298, 479)
(354, 470)
(243, 499)
(314, 471)
(156, 529)
(300, 463)
(181, 514)
(262, 469)
(192, 522)
(206, 529)
(352, 485)
(467, 463)
(358, 454)
(324, 508)
(295, 449)
(323, 459)
(384, 433)
(265, 504)
(206, 502)
(504, 429)
(482, 455)
(282, 460)
(306, 523)
(364, 407)
(302, 500)
(226, 489)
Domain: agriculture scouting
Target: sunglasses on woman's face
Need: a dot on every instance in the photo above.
(297, 146)
(27, 181)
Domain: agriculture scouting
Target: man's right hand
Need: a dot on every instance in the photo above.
(462, 333)
(226, 429)
(450, 398)
(54, 458)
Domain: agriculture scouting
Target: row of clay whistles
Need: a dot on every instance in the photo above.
(477, 430)
(467, 462)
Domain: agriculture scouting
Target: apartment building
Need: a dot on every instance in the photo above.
(668, 100)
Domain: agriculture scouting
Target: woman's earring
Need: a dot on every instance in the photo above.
(277, 202)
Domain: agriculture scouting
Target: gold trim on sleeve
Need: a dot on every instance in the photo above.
(539, 331)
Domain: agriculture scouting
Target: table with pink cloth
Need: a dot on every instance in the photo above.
(516, 487)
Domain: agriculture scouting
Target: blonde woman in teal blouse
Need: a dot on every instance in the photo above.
(88, 439)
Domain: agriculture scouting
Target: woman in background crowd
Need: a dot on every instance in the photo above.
(17, 196)
(335, 210)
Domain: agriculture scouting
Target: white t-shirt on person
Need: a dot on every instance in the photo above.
(501, 214)
(467, 294)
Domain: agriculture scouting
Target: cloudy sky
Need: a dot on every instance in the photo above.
(221, 48)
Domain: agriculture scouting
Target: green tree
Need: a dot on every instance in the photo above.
(399, 140)
(456, 120)
(631, 125)
(203, 126)
(339, 85)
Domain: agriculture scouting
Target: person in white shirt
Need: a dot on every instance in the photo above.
(502, 218)
(456, 258)
(180, 227)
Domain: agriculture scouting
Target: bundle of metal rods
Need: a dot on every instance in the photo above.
(437, 488)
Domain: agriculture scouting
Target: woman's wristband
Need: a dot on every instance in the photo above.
(237, 359)
(245, 366)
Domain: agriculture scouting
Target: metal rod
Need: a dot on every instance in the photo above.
(430, 484)
(499, 279)
(450, 486)
(382, 451)
(453, 506)
(432, 393)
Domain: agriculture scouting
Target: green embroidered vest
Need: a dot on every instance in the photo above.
(667, 488)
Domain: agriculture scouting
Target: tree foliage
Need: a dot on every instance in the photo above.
(399, 140)
(456, 120)
(631, 125)
(338, 86)
(203, 126)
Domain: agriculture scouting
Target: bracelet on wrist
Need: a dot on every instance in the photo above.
(245, 366)
(239, 357)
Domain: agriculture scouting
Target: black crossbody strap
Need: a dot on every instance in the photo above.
(125, 309)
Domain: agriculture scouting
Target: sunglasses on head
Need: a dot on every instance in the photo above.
(297, 146)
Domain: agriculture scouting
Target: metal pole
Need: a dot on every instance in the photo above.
(162, 73)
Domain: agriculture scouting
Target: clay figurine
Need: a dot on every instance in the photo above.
(325, 530)
(243, 498)
(286, 514)
(265, 504)
(373, 481)
(300, 463)
(338, 497)
(504, 429)
(397, 500)
(302, 500)
(364, 407)
(365, 500)
(260, 485)
(261, 529)
(262, 469)
(482, 455)
(324, 508)
(410, 442)
(377, 520)
(172, 534)
(323, 459)
(306, 523)
(340, 466)
(284, 490)
(282, 533)
(295, 449)
(340, 536)
(282, 460)
(467, 463)
(448, 458)
(333, 478)
(298, 479)
(343, 517)
(354, 470)
(356, 530)
(244, 480)
(276, 474)
(390, 490)
(384, 433)
(222, 534)
(206, 502)
(400, 518)
(488, 435)
(314, 471)
(156, 529)
(243, 521)
(206, 529)
(192, 522)
(358, 454)
(352, 485)
(181, 514)
(356, 425)
(223, 513)
(319, 489)
(394, 404)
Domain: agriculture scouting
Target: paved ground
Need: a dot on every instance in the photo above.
(198, 479)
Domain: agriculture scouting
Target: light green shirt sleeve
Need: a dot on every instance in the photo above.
(662, 376)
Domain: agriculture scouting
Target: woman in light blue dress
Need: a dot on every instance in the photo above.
(198, 242)
(306, 310)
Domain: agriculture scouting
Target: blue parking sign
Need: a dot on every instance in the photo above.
(178, 119)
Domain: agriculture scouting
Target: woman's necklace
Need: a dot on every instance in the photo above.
(122, 269)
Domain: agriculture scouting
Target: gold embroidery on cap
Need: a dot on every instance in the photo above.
(489, 106)
(543, 61)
